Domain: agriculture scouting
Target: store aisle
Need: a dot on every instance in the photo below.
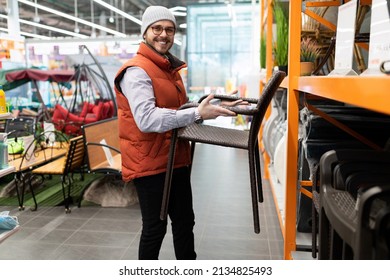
(223, 230)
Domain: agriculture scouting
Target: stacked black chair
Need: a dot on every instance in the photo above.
(319, 135)
(354, 200)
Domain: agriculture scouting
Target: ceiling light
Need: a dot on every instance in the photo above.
(179, 11)
(178, 8)
(26, 33)
(108, 30)
(180, 14)
(63, 31)
(116, 10)
(34, 35)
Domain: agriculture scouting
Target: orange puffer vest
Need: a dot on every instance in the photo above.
(145, 154)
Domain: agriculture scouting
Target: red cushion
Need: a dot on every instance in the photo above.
(87, 108)
(111, 112)
(65, 121)
(106, 110)
(84, 111)
(98, 110)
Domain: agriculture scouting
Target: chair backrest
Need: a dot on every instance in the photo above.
(332, 158)
(264, 101)
(346, 168)
(75, 154)
(42, 148)
(100, 135)
(20, 126)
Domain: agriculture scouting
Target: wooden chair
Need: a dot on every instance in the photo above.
(101, 141)
(240, 139)
(65, 167)
(102, 146)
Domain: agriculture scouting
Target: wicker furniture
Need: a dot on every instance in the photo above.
(240, 139)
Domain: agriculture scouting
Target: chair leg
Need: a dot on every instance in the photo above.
(324, 237)
(253, 182)
(17, 179)
(258, 176)
(168, 176)
(336, 245)
(193, 143)
(35, 208)
(66, 182)
(313, 231)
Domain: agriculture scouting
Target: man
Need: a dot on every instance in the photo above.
(149, 91)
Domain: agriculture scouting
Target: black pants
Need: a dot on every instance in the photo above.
(180, 211)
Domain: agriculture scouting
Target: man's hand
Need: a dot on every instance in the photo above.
(225, 103)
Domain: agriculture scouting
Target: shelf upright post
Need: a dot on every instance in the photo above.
(270, 18)
(295, 10)
(269, 64)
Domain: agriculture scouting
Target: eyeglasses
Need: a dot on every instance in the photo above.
(158, 29)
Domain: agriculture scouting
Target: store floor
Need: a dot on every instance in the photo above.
(223, 230)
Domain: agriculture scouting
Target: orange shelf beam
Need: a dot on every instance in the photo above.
(367, 92)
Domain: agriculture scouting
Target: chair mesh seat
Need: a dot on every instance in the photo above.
(351, 228)
(215, 135)
(346, 203)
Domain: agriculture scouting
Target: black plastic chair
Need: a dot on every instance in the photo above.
(17, 128)
(20, 126)
(382, 234)
(240, 139)
(345, 228)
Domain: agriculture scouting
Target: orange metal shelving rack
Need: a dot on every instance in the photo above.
(367, 92)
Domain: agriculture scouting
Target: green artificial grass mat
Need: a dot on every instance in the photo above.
(50, 192)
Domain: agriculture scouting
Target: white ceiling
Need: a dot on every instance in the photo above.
(92, 12)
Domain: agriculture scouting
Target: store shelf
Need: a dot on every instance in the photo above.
(6, 171)
(367, 92)
(5, 116)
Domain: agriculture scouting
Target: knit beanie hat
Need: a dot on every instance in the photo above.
(156, 13)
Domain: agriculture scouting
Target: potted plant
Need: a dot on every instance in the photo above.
(309, 53)
(263, 52)
(281, 44)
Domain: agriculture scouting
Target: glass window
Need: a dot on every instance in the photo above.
(222, 45)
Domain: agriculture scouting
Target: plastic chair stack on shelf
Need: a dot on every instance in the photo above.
(247, 140)
(320, 135)
(354, 201)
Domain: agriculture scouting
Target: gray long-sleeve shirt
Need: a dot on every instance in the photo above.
(137, 87)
